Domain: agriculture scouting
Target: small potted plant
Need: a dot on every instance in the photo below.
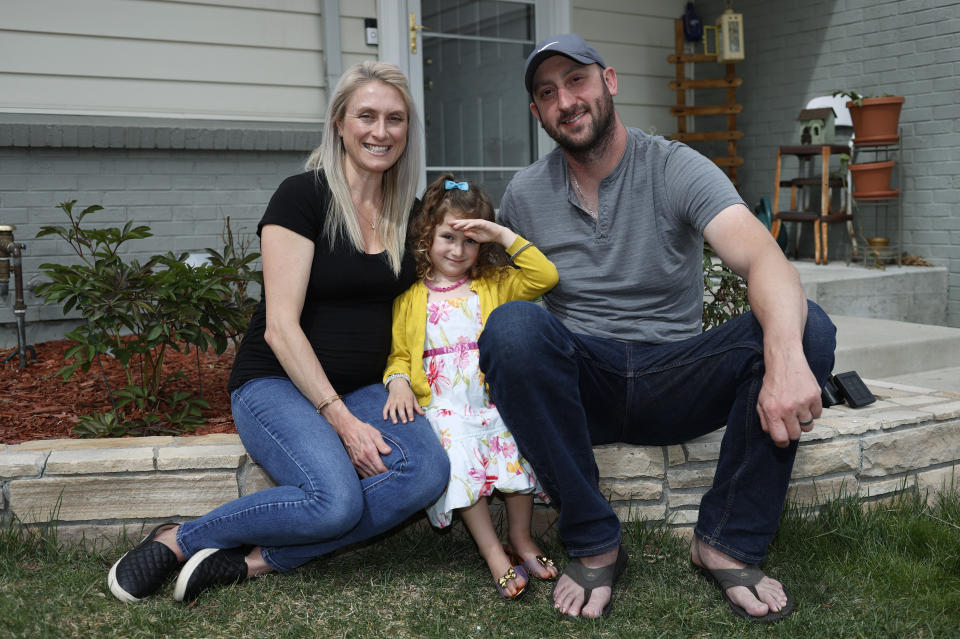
(876, 120)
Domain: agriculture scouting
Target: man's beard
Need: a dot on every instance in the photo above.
(602, 127)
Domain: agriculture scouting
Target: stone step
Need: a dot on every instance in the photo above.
(940, 379)
(883, 349)
(903, 293)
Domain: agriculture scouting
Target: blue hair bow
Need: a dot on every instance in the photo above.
(450, 184)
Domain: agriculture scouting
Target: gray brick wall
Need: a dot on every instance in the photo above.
(183, 194)
(798, 51)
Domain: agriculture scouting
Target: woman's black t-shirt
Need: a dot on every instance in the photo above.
(348, 306)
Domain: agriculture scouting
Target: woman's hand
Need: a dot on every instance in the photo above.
(483, 231)
(363, 443)
(402, 403)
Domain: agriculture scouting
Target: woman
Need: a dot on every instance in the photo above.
(304, 387)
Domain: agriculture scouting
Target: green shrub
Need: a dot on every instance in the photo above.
(725, 292)
(134, 312)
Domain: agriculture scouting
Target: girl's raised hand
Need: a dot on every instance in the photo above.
(483, 231)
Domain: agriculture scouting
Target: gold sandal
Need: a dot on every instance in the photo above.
(513, 573)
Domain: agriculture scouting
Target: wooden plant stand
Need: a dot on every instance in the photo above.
(730, 108)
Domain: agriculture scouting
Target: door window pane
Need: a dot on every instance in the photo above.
(476, 111)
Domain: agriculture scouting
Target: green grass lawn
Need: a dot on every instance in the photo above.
(892, 570)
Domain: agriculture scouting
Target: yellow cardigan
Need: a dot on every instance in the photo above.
(536, 275)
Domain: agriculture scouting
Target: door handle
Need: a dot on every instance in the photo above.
(414, 27)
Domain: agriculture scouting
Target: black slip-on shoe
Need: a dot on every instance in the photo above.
(141, 571)
(210, 567)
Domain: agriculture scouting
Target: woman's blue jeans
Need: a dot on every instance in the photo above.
(320, 504)
(561, 393)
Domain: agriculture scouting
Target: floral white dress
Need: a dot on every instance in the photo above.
(483, 454)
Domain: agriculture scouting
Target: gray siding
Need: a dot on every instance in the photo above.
(635, 39)
(183, 195)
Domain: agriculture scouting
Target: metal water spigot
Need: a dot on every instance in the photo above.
(6, 240)
(11, 251)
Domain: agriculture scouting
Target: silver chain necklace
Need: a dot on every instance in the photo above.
(583, 198)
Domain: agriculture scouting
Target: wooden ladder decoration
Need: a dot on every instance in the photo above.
(729, 81)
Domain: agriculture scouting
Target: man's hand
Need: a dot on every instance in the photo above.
(401, 403)
(789, 400)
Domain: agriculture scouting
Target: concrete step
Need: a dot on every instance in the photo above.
(884, 349)
(942, 379)
(916, 294)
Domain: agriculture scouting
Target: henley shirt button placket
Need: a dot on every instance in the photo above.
(601, 221)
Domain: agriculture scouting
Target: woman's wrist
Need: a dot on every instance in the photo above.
(337, 414)
(330, 399)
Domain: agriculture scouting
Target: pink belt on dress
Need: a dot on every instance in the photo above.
(453, 348)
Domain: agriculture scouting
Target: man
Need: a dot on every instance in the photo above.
(618, 354)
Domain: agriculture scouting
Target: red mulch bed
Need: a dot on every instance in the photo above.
(35, 403)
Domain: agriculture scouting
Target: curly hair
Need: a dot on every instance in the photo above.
(470, 204)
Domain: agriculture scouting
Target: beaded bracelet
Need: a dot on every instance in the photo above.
(394, 376)
(323, 404)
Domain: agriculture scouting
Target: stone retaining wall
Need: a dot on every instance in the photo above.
(95, 488)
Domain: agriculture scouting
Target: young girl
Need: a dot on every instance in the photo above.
(463, 261)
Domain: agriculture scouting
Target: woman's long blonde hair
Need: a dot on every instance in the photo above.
(399, 186)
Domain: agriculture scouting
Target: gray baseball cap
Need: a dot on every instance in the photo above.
(568, 44)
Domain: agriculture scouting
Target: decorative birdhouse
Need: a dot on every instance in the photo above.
(816, 126)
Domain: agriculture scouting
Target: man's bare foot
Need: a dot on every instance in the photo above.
(773, 598)
(568, 595)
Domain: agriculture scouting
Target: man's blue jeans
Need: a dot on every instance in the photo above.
(561, 393)
(320, 503)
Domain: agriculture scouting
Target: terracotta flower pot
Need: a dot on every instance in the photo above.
(877, 121)
(872, 180)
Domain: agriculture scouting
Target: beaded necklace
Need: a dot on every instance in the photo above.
(444, 289)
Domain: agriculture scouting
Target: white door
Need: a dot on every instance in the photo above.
(465, 61)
